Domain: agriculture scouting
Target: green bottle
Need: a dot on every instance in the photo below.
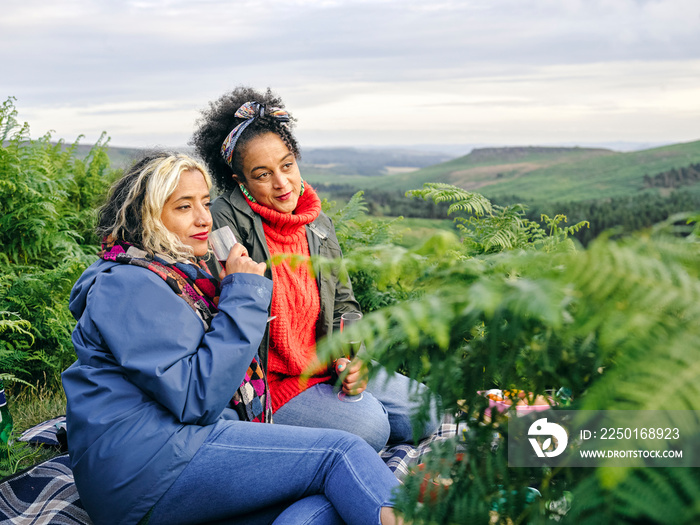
(5, 418)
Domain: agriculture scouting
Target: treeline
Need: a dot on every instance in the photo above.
(626, 214)
(674, 178)
(389, 203)
(396, 203)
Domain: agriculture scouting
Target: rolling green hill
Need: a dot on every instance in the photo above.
(549, 174)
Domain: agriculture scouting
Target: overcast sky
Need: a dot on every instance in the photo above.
(360, 72)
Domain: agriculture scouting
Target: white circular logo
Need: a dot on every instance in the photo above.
(542, 428)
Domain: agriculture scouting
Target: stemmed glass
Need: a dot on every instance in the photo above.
(351, 348)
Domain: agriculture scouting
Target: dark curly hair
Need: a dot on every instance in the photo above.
(218, 120)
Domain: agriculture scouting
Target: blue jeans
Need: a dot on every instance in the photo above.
(254, 473)
(382, 416)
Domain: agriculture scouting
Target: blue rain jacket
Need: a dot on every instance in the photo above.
(149, 383)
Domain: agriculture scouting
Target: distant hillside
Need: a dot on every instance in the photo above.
(550, 174)
(119, 157)
(535, 174)
(528, 153)
(320, 164)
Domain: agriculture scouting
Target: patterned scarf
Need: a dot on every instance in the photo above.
(248, 111)
(196, 286)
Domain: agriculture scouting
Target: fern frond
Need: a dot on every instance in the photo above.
(14, 324)
(355, 207)
(463, 200)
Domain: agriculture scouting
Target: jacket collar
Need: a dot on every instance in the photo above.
(239, 202)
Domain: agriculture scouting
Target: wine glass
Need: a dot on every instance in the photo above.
(221, 241)
(350, 348)
(346, 320)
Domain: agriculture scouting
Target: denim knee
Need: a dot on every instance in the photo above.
(311, 510)
(319, 407)
(376, 429)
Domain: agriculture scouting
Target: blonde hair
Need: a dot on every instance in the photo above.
(135, 204)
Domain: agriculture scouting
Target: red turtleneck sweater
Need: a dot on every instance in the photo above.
(295, 302)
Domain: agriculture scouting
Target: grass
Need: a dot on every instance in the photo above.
(30, 406)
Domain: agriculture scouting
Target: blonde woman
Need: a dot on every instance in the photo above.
(167, 406)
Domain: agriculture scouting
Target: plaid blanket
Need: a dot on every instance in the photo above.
(46, 433)
(42, 494)
(399, 458)
(45, 493)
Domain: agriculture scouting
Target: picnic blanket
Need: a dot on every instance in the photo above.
(45, 493)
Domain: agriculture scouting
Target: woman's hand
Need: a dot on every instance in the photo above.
(239, 262)
(355, 382)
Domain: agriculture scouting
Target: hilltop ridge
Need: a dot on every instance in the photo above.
(513, 153)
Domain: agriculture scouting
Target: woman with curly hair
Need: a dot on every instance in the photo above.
(165, 353)
(245, 137)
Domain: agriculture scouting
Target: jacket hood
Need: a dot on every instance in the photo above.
(78, 295)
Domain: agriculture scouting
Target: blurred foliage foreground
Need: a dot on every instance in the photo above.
(516, 305)
(509, 303)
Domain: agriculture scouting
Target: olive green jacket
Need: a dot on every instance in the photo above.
(336, 296)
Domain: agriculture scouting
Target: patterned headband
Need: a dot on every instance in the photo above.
(248, 111)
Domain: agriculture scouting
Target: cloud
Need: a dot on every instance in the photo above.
(158, 61)
(595, 101)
